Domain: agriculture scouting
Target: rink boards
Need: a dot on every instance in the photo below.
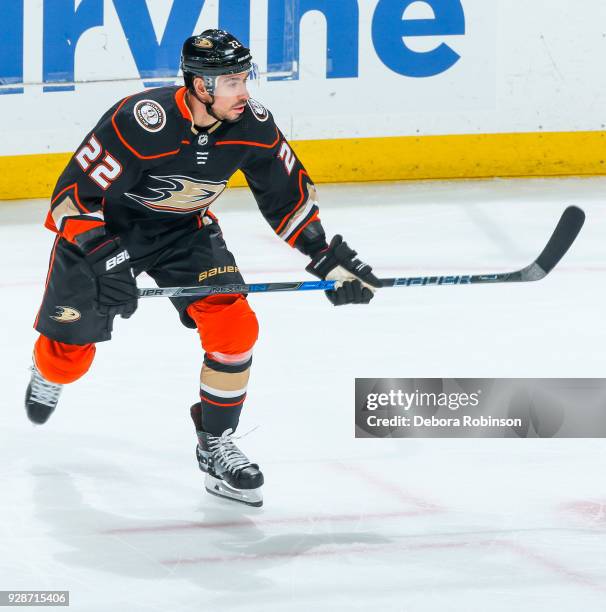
(366, 90)
(382, 159)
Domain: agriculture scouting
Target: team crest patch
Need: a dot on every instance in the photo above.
(179, 194)
(259, 111)
(203, 43)
(150, 115)
(66, 314)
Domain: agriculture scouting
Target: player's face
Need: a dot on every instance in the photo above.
(231, 95)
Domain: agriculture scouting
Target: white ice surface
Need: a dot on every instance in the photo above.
(106, 499)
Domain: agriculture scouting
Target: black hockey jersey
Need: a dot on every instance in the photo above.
(146, 171)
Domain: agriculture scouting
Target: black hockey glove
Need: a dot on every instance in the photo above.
(356, 283)
(108, 265)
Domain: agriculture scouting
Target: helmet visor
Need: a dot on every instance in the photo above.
(234, 85)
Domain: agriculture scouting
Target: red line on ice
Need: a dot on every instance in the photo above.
(528, 554)
(395, 490)
(552, 564)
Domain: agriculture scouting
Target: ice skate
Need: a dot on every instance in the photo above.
(229, 473)
(41, 397)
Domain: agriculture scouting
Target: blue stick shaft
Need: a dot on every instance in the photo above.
(414, 281)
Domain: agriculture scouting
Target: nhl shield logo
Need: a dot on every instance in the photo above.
(202, 140)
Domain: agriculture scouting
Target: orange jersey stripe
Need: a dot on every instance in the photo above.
(302, 173)
(49, 223)
(251, 144)
(76, 196)
(293, 238)
(182, 105)
(73, 227)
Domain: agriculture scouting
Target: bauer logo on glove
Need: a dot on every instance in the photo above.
(108, 265)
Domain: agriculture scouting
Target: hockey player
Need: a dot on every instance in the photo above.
(135, 197)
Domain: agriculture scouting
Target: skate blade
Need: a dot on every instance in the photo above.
(250, 497)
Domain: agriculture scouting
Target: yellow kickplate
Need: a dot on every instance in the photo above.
(382, 159)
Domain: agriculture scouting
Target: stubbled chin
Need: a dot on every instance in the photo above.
(235, 119)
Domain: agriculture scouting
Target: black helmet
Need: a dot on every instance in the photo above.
(211, 54)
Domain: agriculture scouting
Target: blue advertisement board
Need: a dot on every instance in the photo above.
(158, 57)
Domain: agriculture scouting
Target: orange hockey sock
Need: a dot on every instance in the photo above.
(62, 363)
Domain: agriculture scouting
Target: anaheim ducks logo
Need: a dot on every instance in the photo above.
(180, 194)
(203, 43)
(66, 314)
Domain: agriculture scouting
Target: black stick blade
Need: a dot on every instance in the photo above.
(564, 235)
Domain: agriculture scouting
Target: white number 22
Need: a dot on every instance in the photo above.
(104, 172)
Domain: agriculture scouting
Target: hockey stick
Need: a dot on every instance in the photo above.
(564, 235)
